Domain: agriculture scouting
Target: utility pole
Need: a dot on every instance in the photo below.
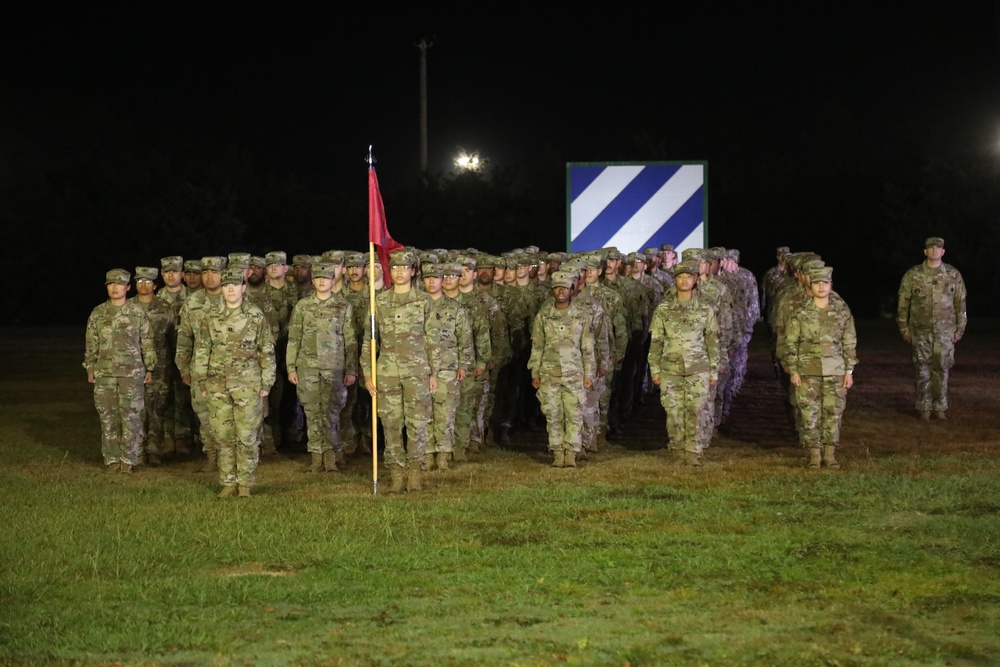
(423, 45)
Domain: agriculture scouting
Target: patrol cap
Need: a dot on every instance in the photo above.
(258, 262)
(241, 258)
(592, 261)
(524, 259)
(821, 275)
(811, 265)
(733, 254)
(117, 276)
(651, 252)
(451, 269)
(192, 266)
(428, 257)
(276, 257)
(693, 254)
(715, 253)
(402, 258)
(468, 261)
(556, 257)
(782, 250)
(687, 266)
(666, 247)
(214, 263)
(233, 276)
(302, 260)
(532, 249)
(563, 279)
(613, 253)
(146, 273)
(486, 261)
(323, 270)
(334, 256)
(634, 257)
(934, 241)
(172, 263)
(355, 259)
(432, 271)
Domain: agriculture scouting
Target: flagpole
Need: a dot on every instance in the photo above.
(371, 328)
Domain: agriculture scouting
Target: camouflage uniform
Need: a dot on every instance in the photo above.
(322, 350)
(931, 312)
(562, 357)
(684, 351)
(234, 362)
(820, 345)
(453, 350)
(473, 386)
(600, 328)
(178, 414)
(193, 312)
(404, 367)
(119, 352)
(163, 326)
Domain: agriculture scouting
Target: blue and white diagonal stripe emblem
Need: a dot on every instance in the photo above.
(633, 206)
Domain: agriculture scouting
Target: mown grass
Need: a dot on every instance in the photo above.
(627, 560)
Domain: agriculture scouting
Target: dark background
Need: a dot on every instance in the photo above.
(130, 131)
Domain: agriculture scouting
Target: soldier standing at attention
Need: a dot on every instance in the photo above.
(177, 412)
(453, 356)
(931, 317)
(163, 326)
(684, 358)
(119, 359)
(820, 353)
(562, 366)
(194, 310)
(322, 361)
(406, 373)
(234, 366)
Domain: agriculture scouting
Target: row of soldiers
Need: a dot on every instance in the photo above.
(500, 296)
(814, 349)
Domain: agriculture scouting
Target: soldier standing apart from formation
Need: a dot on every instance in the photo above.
(931, 317)
(406, 373)
(684, 358)
(453, 356)
(820, 354)
(562, 366)
(234, 364)
(119, 359)
(163, 326)
(322, 361)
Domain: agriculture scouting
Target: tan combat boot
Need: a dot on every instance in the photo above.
(814, 457)
(925, 415)
(329, 461)
(244, 491)
(694, 459)
(413, 478)
(340, 457)
(569, 459)
(460, 456)
(428, 463)
(211, 462)
(828, 459)
(558, 458)
(940, 415)
(315, 462)
(442, 460)
(397, 479)
(112, 467)
(227, 492)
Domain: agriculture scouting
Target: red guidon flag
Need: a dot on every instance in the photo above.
(378, 233)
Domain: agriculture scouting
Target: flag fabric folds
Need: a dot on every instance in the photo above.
(378, 232)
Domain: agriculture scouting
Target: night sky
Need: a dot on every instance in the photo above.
(306, 90)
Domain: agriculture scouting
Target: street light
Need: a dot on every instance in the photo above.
(469, 161)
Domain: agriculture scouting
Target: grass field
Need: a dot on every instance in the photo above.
(627, 560)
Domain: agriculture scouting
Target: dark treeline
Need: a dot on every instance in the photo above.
(69, 215)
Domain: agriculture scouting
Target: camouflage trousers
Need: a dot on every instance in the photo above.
(119, 404)
(484, 411)
(236, 412)
(737, 373)
(719, 395)
(322, 394)
(686, 400)
(933, 357)
(471, 389)
(348, 430)
(199, 403)
(562, 402)
(404, 402)
(153, 415)
(821, 400)
(441, 430)
(592, 414)
(177, 412)
(604, 401)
